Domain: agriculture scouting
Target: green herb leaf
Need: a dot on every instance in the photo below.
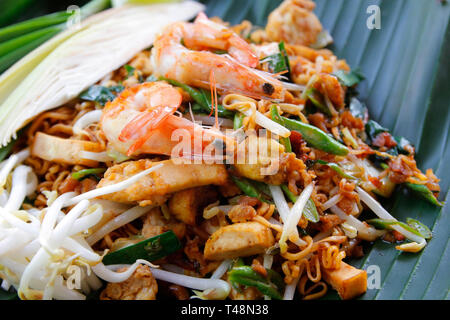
(349, 79)
(150, 249)
(101, 94)
(130, 70)
(317, 99)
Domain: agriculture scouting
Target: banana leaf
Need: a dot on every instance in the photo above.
(406, 67)
(407, 90)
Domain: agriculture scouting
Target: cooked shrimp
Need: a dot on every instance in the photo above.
(179, 53)
(129, 120)
(140, 120)
(294, 22)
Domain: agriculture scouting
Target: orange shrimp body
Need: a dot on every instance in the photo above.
(180, 53)
(140, 120)
(130, 119)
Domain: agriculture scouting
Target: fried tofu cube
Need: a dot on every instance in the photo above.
(186, 204)
(348, 281)
(238, 240)
(68, 151)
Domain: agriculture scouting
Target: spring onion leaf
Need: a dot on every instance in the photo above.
(250, 188)
(337, 169)
(21, 28)
(238, 120)
(11, 9)
(316, 137)
(420, 227)
(309, 211)
(387, 224)
(270, 286)
(278, 119)
(425, 193)
(59, 70)
(79, 175)
(150, 249)
(6, 150)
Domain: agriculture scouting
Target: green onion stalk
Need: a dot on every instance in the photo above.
(19, 39)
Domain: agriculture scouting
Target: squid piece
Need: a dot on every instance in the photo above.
(159, 184)
(68, 151)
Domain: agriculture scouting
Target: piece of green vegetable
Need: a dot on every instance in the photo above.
(250, 188)
(283, 52)
(387, 224)
(221, 111)
(278, 119)
(150, 249)
(101, 94)
(275, 63)
(11, 9)
(8, 295)
(79, 175)
(6, 150)
(420, 227)
(425, 193)
(129, 69)
(201, 97)
(14, 49)
(337, 169)
(373, 129)
(21, 28)
(317, 99)
(20, 39)
(238, 120)
(316, 137)
(270, 286)
(349, 79)
(309, 211)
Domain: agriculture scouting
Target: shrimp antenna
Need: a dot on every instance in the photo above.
(214, 103)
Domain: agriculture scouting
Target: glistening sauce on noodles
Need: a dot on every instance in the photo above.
(264, 198)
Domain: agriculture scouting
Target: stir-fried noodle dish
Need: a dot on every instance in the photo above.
(221, 162)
